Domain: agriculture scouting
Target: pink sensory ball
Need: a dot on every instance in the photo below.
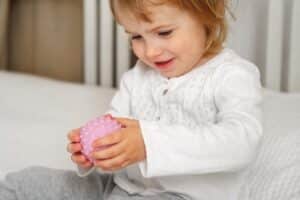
(94, 129)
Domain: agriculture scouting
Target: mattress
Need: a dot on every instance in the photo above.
(36, 114)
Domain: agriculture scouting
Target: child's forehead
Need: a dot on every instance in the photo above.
(153, 13)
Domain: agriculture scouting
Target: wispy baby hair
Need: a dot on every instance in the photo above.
(211, 13)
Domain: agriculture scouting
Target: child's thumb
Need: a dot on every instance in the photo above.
(125, 121)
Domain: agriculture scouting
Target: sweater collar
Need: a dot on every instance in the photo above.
(194, 72)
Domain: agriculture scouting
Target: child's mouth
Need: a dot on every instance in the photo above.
(164, 64)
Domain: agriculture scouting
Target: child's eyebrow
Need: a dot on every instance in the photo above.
(159, 27)
(128, 32)
(152, 29)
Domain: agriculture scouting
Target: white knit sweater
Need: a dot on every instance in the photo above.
(201, 130)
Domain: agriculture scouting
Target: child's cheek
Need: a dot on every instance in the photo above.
(138, 50)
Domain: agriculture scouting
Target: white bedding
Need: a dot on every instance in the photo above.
(36, 114)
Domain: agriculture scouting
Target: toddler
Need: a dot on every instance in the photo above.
(190, 110)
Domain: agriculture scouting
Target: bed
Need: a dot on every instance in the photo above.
(36, 114)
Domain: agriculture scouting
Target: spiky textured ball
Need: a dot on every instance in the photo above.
(94, 129)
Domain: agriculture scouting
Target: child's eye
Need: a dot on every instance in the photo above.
(165, 33)
(136, 37)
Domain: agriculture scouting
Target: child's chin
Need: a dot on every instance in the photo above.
(168, 75)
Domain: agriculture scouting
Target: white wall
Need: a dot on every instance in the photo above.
(247, 34)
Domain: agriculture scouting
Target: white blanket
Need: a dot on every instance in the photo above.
(37, 113)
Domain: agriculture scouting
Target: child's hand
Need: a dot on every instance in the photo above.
(74, 147)
(127, 147)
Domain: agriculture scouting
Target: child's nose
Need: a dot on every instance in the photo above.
(152, 51)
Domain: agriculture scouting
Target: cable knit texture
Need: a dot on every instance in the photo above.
(201, 130)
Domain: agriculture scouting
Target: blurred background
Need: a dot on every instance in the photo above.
(42, 37)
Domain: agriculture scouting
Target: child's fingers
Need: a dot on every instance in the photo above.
(81, 160)
(109, 152)
(73, 135)
(125, 121)
(115, 163)
(78, 158)
(86, 165)
(110, 139)
(74, 147)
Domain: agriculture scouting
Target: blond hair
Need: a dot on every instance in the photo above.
(211, 13)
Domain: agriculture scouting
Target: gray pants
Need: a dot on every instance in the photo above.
(37, 183)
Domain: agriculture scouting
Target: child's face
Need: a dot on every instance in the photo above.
(173, 43)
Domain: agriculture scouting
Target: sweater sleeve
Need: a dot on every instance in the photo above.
(227, 145)
(120, 104)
